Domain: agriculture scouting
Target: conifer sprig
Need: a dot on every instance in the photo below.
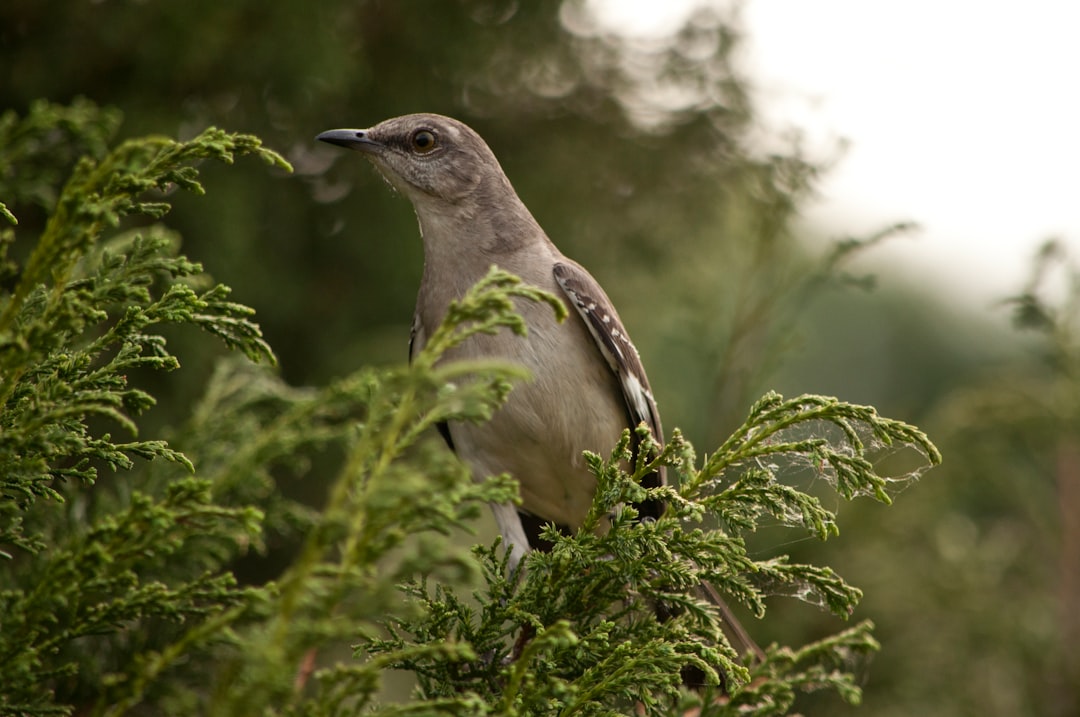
(119, 595)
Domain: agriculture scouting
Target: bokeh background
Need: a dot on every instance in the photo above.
(648, 157)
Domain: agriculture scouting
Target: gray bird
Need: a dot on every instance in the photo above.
(588, 384)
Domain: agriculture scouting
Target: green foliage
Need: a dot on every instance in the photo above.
(41, 147)
(577, 634)
(75, 321)
(390, 507)
(82, 311)
(119, 595)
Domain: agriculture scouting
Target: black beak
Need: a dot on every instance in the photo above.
(349, 138)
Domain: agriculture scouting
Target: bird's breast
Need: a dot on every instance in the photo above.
(572, 404)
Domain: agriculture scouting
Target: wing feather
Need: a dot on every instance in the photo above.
(417, 339)
(595, 309)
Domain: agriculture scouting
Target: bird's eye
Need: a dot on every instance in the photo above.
(423, 141)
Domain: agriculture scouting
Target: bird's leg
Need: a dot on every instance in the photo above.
(513, 534)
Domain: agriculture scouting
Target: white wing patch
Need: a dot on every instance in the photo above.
(637, 394)
(610, 337)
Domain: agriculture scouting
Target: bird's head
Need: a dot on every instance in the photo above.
(429, 158)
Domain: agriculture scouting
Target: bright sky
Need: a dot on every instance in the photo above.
(962, 115)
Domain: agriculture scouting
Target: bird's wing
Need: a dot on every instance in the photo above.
(589, 300)
(417, 340)
(417, 336)
(595, 309)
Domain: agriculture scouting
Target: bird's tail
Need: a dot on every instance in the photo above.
(733, 629)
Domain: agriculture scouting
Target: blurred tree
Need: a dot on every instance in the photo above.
(1010, 530)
